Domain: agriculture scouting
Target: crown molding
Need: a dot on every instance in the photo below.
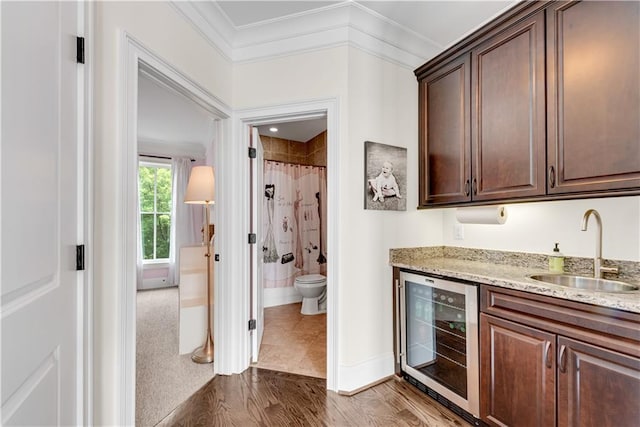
(340, 24)
(210, 22)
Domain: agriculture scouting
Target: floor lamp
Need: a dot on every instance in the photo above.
(200, 191)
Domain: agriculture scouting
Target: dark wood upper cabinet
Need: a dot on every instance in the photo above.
(546, 97)
(593, 83)
(444, 132)
(596, 387)
(508, 115)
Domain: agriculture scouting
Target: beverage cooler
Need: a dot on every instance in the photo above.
(439, 337)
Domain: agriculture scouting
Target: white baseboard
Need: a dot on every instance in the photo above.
(353, 378)
(366, 387)
(281, 296)
(155, 283)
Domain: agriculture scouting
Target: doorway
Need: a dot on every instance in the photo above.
(290, 113)
(291, 268)
(174, 134)
(139, 59)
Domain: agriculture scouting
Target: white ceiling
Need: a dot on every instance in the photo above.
(169, 118)
(442, 22)
(242, 13)
(439, 22)
(301, 130)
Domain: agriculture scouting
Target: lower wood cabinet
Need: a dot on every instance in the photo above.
(596, 386)
(518, 374)
(547, 362)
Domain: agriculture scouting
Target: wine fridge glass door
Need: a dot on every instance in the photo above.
(439, 331)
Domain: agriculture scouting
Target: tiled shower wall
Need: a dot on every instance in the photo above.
(312, 152)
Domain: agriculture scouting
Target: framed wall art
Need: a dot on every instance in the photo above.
(385, 179)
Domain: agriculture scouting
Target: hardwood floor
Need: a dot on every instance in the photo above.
(259, 397)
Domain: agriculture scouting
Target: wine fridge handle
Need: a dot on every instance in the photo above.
(398, 354)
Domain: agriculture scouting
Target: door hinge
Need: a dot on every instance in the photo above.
(80, 50)
(252, 238)
(253, 153)
(252, 324)
(79, 257)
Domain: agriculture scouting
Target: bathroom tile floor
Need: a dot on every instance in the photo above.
(294, 342)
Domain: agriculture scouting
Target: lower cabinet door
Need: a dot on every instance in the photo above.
(597, 387)
(517, 374)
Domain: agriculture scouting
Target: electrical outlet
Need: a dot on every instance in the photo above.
(458, 232)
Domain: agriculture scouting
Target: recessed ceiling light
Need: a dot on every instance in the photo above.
(273, 129)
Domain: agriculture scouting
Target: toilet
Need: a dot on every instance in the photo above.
(313, 288)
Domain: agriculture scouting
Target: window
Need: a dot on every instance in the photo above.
(155, 210)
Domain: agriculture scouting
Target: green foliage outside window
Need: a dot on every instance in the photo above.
(155, 210)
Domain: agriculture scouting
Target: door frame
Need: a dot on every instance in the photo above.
(256, 269)
(243, 120)
(86, 226)
(136, 57)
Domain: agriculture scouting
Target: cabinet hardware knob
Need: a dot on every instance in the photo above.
(547, 354)
(563, 359)
(475, 186)
(466, 188)
(552, 176)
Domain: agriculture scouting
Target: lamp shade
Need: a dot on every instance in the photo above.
(200, 186)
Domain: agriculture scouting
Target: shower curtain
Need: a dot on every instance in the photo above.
(294, 222)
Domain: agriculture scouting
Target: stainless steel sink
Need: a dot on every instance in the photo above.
(580, 282)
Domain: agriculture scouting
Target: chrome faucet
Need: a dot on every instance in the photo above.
(598, 269)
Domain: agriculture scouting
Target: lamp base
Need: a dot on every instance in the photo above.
(204, 354)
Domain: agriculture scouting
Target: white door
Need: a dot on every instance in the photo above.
(257, 198)
(40, 306)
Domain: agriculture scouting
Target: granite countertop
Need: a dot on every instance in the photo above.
(510, 270)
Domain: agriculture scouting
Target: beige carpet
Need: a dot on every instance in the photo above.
(164, 379)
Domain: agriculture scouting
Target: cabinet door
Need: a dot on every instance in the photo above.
(517, 374)
(597, 387)
(444, 105)
(508, 99)
(593, 64)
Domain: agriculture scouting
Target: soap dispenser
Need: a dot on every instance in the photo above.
(556, 260)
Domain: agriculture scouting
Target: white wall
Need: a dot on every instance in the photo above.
(157, 26)
(535, 227)
(377, 102)
(383, 102)
(302, 77)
